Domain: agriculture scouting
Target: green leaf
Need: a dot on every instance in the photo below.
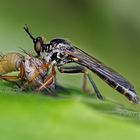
(73, 116)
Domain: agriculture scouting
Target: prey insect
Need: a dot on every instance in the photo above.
(32, 72)
(60, 51)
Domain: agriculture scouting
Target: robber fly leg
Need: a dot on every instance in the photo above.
(71, 69)
(84, 85)
(81, 69)
(49, 80)
(99, 95)
(22, 73)
(74, 70)
(39, 72)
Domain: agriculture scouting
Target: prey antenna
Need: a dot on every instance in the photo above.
(24, 51)
(28, 32)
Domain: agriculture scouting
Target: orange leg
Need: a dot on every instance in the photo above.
(10, 78)
(39, 72)
(48, 81)
(22, 71)
(35, 76)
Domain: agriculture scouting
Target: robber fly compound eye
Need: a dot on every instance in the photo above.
(38, 45)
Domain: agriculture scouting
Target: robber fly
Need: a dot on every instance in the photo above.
(60, 51)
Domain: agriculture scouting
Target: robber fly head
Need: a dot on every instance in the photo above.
(39, 43)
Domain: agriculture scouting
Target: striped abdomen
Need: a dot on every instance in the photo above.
(127, 92)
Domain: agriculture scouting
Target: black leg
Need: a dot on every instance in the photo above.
(72, 69)
(95, 87)
(75, 70)
(84, 86)
(81, 69)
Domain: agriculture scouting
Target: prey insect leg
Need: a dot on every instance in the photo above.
(11, 79)
(81, 69)
(15, 79)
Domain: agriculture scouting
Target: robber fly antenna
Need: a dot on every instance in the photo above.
(38, 42)
(28, 32)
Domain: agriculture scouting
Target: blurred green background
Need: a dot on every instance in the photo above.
(108, 30)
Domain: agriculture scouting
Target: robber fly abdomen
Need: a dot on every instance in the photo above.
(128, 92)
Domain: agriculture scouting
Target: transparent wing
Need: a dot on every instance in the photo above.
(98, 67)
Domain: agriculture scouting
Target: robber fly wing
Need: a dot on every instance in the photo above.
(111, 77)
(99, 68)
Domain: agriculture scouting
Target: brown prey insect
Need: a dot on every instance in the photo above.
(32, 71)
(60, 51)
